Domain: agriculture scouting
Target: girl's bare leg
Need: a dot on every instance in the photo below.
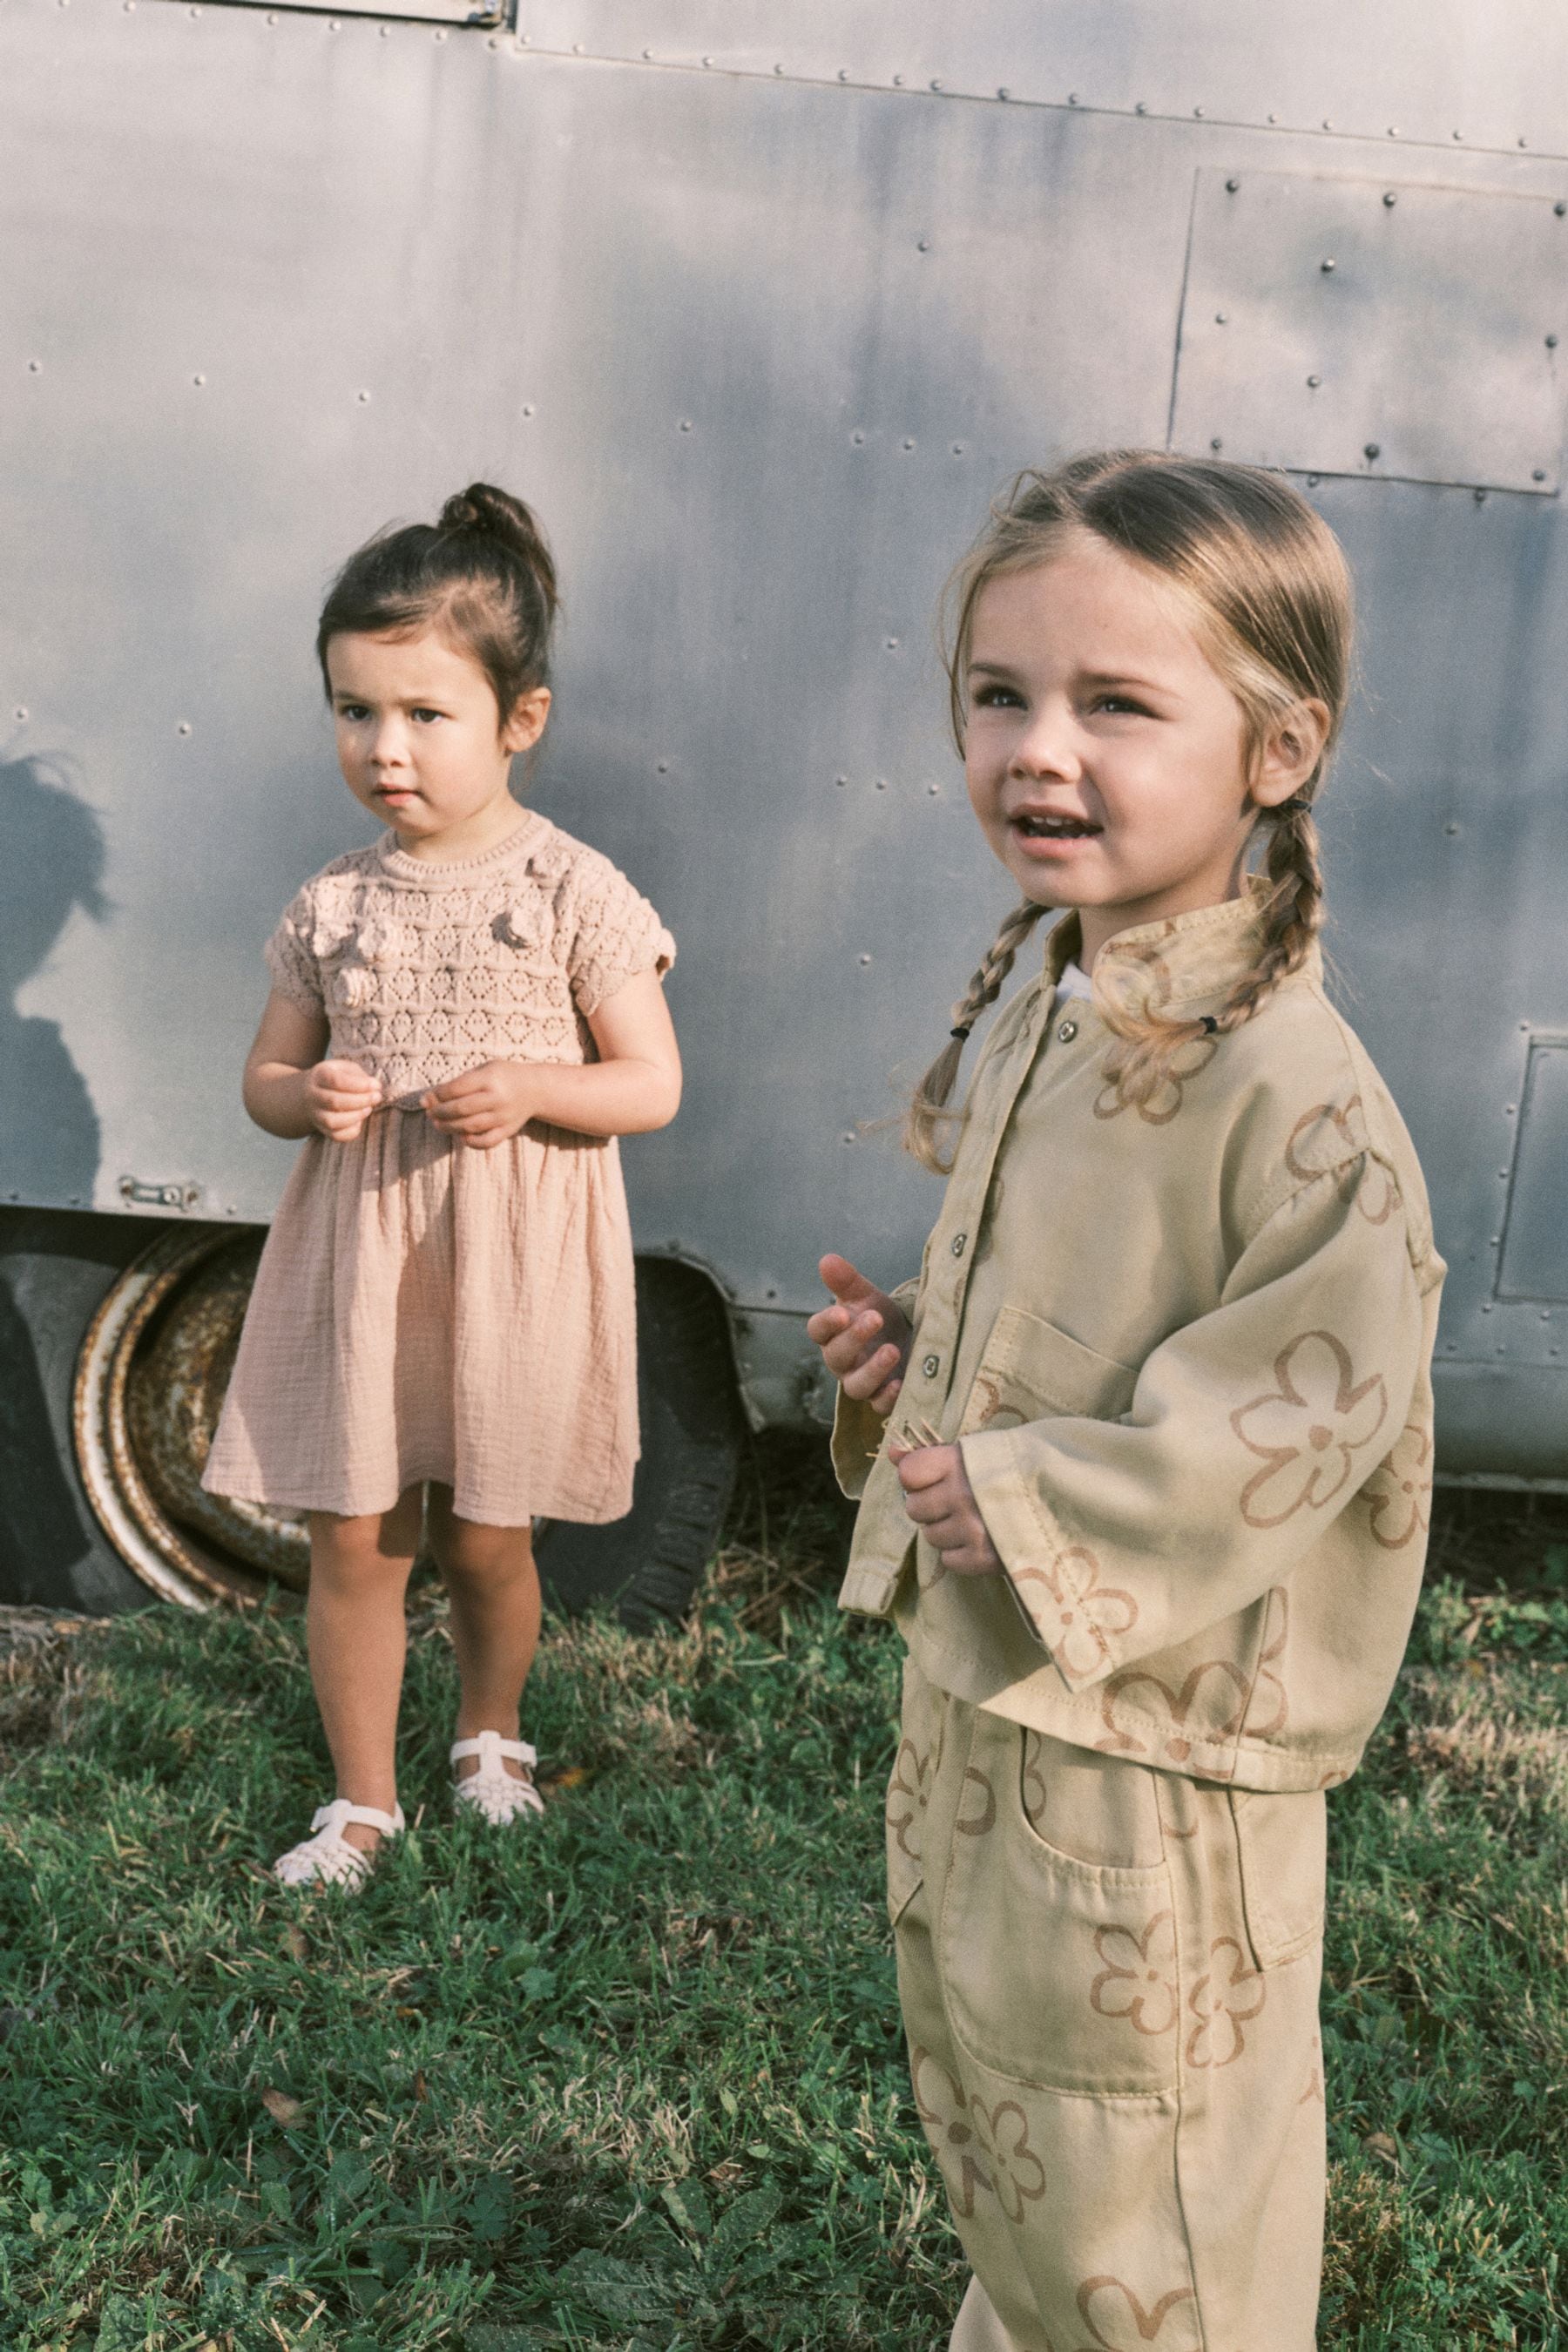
(494, 1589)
(353, 1624)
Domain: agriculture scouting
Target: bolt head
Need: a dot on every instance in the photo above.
(1373, 449)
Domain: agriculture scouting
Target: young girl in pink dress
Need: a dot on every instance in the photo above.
(463, 1018)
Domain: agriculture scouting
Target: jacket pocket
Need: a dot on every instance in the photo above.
(1056, 1972)
(1032, 1371)
(1281, 1844)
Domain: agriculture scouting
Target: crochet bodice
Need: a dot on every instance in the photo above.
(424, 970)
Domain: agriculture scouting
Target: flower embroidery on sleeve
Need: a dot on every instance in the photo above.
(1307, 1430)
(1017, 2176)
(1228, 1998)
(1139, 1979)
(1399, 1491)
(949, 2127)
(1332, 1138)
(1076, 1626)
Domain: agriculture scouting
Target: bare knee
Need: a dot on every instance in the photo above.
(367, 1549)
(472, 1555)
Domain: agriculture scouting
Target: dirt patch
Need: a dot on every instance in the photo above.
(40, 1676)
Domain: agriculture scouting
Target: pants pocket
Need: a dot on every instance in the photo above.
(1281, 1846)
(1058, 1973)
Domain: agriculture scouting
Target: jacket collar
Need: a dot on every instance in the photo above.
(1186, 965)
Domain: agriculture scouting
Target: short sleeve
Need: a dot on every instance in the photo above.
(616, 934)
(291, 960)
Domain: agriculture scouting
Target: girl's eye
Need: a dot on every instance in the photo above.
(424, 715)
(1117, 706)
(356, 710)
(997, 698)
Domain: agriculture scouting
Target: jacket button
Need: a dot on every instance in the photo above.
(958, 1242)
(1066, 1033)
(931, 1366)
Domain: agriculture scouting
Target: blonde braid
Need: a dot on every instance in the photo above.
(1292, 913)
(929, 1114)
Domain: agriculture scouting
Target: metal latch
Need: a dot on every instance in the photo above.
(158, 1196)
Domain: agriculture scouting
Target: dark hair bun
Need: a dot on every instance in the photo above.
(496, 515)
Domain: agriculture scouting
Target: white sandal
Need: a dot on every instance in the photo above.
(327, 1859)
(492, 1791)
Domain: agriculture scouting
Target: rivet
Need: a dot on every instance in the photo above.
(493, 43)
(34, 367)
(1393, 130)
(1480, 497)
(1232, 185)
(707, 61)
(865, 959)
(841, 780)
(1072, 98)
(1140, 108)
(881, 783)
(198, 379)
(891, 643)
(1538, 473)
(922, 245)
(1327, 124)
(859, 439)
(936, 84)
(648, 56)
(1390, 198)
(441, 36)
(958, 449)
(1217, 443)
(1314, 381)
(528, 408)
(1450, 829)
(1274, 118)
(1459, 134)
(1525, 1026)
(908, 444)
(1326, 266)
(184, 727)
(577, 49)
(1373, 449)
(664, 767)
(363, 399)
(1560, 208)
(1551, 343)
(1524, 143)
(686, 423)
(1312, 481)
(843, 73)
(1004, 92)
(843, 1138)
(1509, 1109)
(897, 81)
(778, 69)
(934, 789)
(20, 711)
(1222, 318)
(1198, 114)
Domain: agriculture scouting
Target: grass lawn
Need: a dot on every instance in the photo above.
(635, 2079)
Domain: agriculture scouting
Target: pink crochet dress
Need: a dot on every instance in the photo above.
(422, 1310)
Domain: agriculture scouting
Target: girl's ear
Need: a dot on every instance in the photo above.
(526, 724)
(1291, 751)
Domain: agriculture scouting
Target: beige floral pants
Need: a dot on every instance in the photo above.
(1110, 1984)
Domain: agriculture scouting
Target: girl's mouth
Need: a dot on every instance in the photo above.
(1034, 826)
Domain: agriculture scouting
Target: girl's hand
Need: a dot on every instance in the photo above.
(940, 1500)
(338, 1097)
(864, 1336)
(487, 1106)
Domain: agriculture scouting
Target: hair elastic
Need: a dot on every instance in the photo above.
(1210, 1023)
(961, 1035)
(1298, 805)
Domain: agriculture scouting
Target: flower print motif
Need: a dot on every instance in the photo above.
(987, 1408)
(1270, 1710)
(981, 1824)
(1033, 1781)
(1138, 1982)
(1332, 1138)
(1080, 1615)
(950, 2127)
(1017, 2176)
(1144, 1716)
(908, 1793)
(1228, 1998)
(1119, 2322)
(1307, 1430)
(1157, 1102)
(1314, 2096)
(1399, 1491)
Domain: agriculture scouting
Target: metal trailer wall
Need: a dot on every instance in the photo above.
(760, 305)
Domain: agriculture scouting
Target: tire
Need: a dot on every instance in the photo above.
(648, 1565)
(55, 1270)
(116, 1337)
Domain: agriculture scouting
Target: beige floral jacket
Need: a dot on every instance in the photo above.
(1185, 1348)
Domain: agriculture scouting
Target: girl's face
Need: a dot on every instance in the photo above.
(420, 743)
(1105, 756)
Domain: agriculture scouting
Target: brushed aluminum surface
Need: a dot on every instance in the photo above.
(759, 348)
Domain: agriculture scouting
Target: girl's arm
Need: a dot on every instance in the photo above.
(290, 1091)
(632, 1089)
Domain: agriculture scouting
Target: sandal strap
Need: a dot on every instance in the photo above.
(334, 1818)
(490, 1747)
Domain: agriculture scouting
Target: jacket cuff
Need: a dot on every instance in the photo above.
(1055, 1581)
(870, 1588)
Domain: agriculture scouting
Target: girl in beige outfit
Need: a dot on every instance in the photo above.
(1145, 1454)
(463, 1019)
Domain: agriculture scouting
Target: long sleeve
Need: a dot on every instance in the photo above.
(1250, 1431)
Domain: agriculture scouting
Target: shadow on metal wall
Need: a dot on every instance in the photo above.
(51, 862)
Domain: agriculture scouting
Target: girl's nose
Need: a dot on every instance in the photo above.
(1048, 747)
(388, 748)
